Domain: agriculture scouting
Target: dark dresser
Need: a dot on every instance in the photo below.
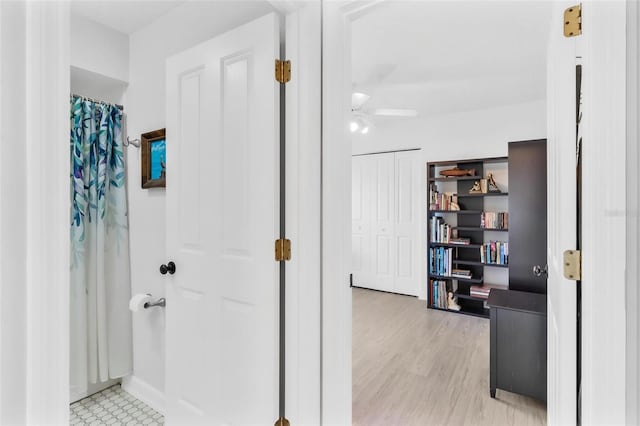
(518, 342)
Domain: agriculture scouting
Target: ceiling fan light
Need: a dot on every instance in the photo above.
(353, 126)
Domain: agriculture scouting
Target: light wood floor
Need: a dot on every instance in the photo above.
(417, 366)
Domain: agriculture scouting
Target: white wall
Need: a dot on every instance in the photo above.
(99, 49)
(181, 28)
(469, 134)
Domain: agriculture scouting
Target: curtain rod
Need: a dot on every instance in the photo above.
(98, 101)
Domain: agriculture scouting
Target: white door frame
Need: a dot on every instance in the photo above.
(604, 332)
(603, 209)
(34, 213)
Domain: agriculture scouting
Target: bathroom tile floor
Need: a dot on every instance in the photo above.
(113, 406)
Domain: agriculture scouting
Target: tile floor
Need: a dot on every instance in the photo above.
(113, 406)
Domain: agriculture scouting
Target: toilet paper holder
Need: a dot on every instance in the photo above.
(160, 302)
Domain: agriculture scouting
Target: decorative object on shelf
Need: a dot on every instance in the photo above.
(475, 189)
(154, 159)
(493, 186)
(457, 172)
(483, 186)
(451, 303)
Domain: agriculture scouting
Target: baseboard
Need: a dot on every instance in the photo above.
(144, 392)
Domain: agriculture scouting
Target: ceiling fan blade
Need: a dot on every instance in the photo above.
(358, 99)
(390, 112)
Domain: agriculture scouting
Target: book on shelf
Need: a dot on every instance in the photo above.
(481, 291)
(461, 273)
(441, 232)
(440, 200)
(494, 220)
(495, 253)
(460, 241)
(440, 261)
(438, 293)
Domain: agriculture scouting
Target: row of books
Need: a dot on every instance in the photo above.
(438, 293)
(495, 253)
(494, 220)
(439, 200)
(440, 261)
(442, 232)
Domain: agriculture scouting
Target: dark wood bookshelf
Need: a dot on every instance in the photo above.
(478, 228)
(474, 312)
(473, 262)
(457, 211)
(448, 245)
(467, 280)
(488, 194)
(468, 296)
(464, 256)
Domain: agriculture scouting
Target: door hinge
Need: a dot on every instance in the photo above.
(283, 250)
(573, 21)
(283, 71)
(282, 422)
(572, 264)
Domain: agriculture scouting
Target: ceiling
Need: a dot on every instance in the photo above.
(450, 56)
(123, 16)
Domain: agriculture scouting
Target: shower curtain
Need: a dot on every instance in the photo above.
(100, 281)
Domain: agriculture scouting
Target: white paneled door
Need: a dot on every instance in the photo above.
(386, 222)
(222, 219)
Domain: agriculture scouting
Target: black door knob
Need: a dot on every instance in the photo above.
(169, 267)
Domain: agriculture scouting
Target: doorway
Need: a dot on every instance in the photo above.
(456, 102)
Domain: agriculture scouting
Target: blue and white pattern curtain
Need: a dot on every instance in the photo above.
(100, 278)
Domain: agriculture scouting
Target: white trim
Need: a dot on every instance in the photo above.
(633, 213)
(336, 205)
(303, 216)
(604, 223)
(47, 230)
(146, 393)
(13, 160)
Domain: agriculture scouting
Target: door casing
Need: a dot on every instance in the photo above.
(604, 324)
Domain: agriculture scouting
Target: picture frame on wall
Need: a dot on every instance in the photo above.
(154, 159)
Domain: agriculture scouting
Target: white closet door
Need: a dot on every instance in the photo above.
(361, 184)
(407, 225)
(383, 222)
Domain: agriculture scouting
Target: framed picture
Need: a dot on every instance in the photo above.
(154, 159)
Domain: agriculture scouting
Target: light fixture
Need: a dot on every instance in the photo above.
(354, 126)
(365, 130)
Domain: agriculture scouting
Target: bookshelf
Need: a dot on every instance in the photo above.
(463, 239)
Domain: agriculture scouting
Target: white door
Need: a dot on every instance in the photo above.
(383, 222)
(562, 223)
(407, 222)
(222, 220)
(361, 215)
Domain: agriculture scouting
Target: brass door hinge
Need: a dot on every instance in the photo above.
(283, 71)
(283, 250)
(573, 21)
(282, 422)
(572, 264)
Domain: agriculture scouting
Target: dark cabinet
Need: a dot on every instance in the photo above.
(518, 343)
(528, 215)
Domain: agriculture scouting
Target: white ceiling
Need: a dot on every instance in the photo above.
(449, 56)
(123, 16)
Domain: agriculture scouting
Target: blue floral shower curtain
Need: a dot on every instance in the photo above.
(100, 280)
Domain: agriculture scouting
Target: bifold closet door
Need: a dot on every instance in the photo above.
(361, 267)
(407, 226)
(385, 222)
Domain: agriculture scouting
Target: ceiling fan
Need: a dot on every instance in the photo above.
(363, 118)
